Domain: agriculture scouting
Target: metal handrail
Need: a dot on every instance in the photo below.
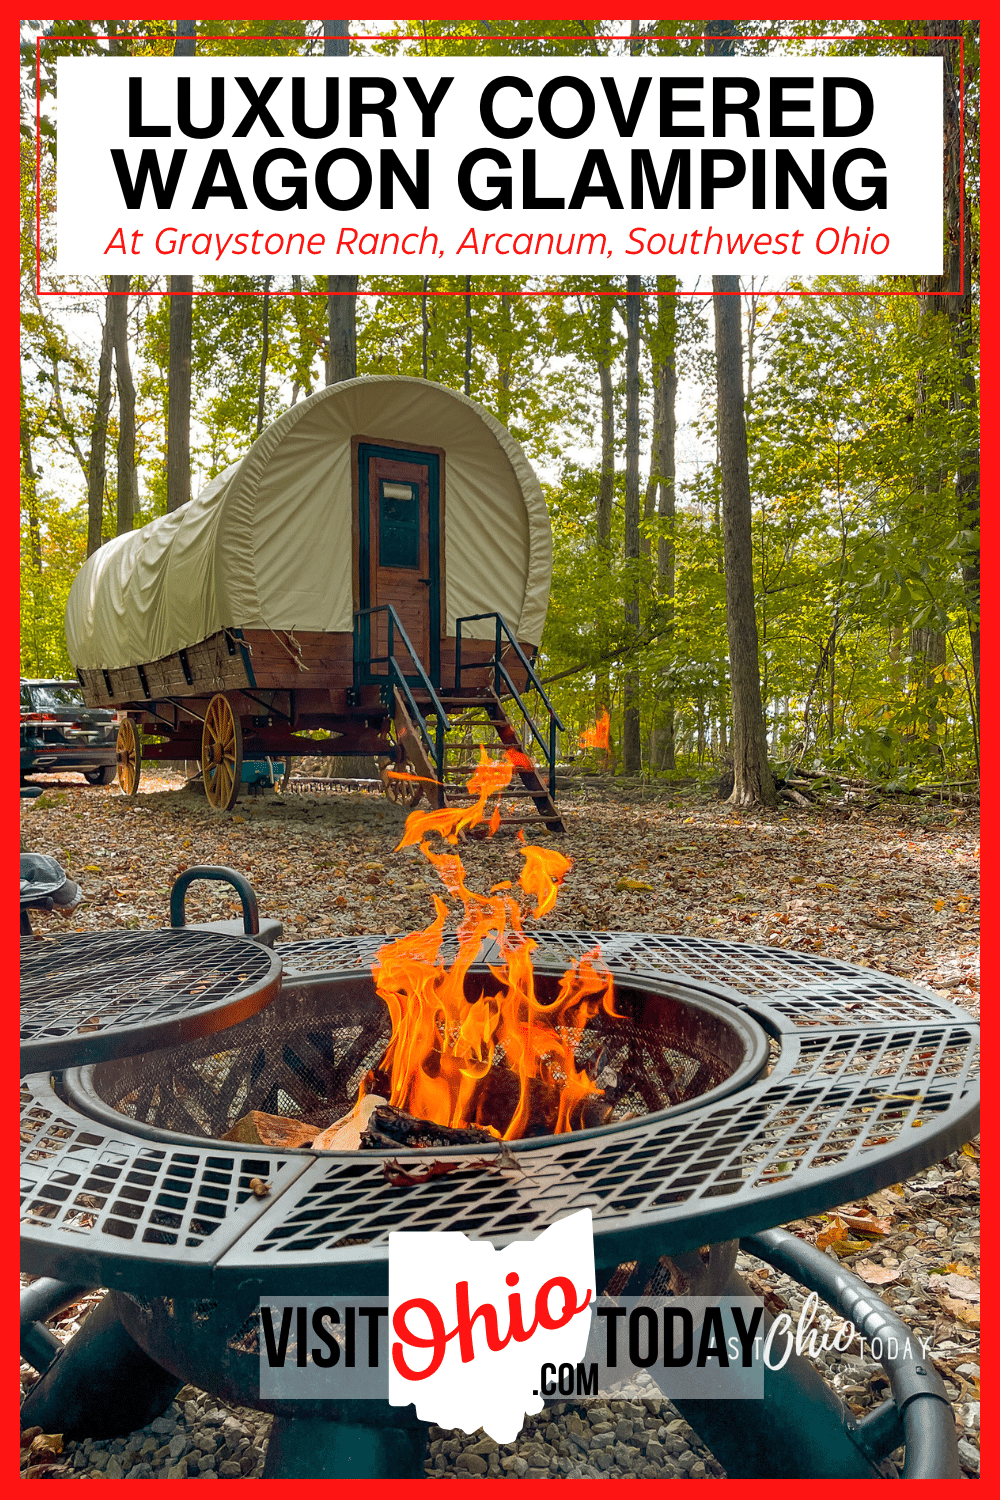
(397, 679)
(529, 721)
(499, 670)
(501, 624)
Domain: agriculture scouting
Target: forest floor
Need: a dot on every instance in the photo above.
(893, 887)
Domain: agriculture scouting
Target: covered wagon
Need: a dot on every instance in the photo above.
(371, 578)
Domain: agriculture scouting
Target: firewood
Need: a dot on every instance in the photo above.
(497, 1096)
(345, 1134)
(594, 1111)
(389, 1128)
(259, 1129)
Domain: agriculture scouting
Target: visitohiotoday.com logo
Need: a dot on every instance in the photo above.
(476, 1337)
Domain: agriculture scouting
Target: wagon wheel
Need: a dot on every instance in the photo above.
(403, 793)
(128, 755)
(221, 754)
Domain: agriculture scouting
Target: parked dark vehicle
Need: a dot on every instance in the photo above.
(60, 733)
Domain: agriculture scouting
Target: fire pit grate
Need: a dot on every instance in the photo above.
(86, 996)
(863, 995)
(875, 1080)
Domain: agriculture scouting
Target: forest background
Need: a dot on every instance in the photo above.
(851, 505)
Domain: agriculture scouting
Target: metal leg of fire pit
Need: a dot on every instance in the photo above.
(919, 1414)
(39, 1302)
(802, 1429)
(314, 1448)
(102, 1385)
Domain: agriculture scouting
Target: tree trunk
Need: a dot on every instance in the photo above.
(425, 326)
(505, 353)
(96, 467)
(179, 373)
(950, 295)
(606, 484)
(752, 780)
(631, 741)
(336, 42)
(128, 497)
(262, 385)
(342, 361)
(179, 394)
(467, 379)
(29, 490)
(665, 375)
(342, 364)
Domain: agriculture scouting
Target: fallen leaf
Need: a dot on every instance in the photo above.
(849, 1247)
(875, 1275)
(398, 1175)
(959, 1286)
(836, 1230)
(863, 1223)
(46, 1443)
(966, 1312)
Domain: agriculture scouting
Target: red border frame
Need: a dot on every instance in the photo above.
(542, 36)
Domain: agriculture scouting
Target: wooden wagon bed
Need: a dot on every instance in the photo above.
(263, 696)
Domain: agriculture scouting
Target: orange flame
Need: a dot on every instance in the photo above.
(597, 736)
(467, 1050)
(543, 874)
(409, 776)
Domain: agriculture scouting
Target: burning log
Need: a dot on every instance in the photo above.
(392, 1128)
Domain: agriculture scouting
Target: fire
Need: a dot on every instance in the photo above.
(597, 736)
(489, 1052)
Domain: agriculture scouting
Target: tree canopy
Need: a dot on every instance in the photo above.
(861, 421)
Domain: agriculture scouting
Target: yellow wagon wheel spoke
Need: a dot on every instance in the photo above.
(221, 754)
(128, 756)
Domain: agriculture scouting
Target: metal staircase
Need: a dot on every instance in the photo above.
(440, 732)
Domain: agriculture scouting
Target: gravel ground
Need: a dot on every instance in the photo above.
(892, 892)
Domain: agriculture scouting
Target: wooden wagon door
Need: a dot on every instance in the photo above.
(399, 554)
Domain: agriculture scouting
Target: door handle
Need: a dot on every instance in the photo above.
(425, 580)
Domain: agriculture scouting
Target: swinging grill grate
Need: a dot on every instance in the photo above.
(92, 995)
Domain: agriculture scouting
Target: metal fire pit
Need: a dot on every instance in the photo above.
(869, 1080)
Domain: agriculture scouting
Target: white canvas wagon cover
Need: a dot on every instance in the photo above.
(268, 544)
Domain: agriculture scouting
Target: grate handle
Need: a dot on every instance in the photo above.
(242, 886)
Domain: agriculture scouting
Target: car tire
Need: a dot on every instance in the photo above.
(101, 775)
